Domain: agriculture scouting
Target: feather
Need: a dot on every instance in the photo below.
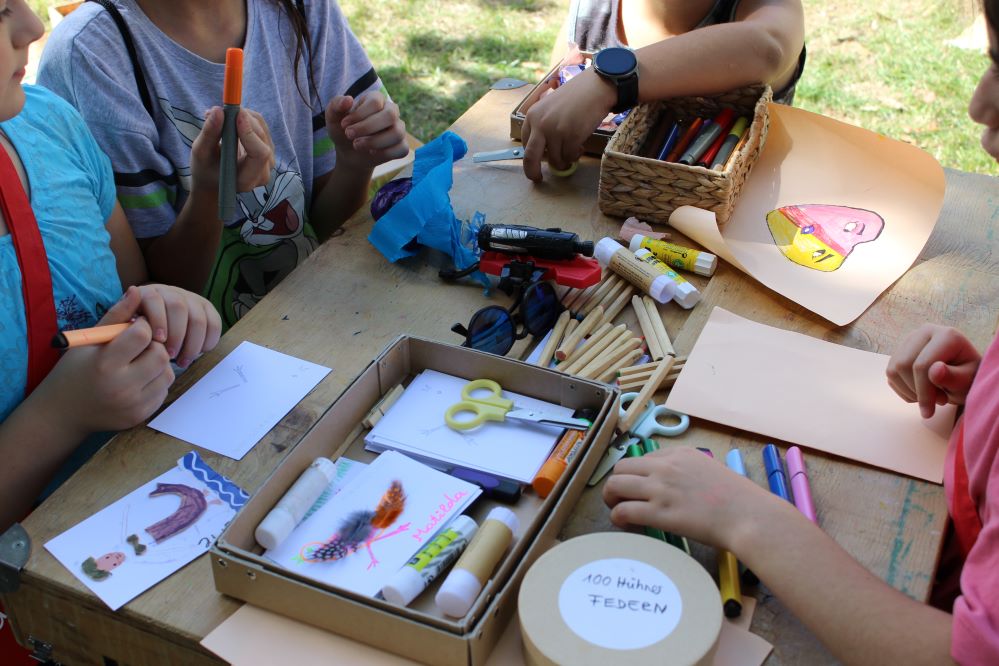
(390, 506)
(354, 529)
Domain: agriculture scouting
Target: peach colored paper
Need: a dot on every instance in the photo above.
(817, 394)
(810, 159)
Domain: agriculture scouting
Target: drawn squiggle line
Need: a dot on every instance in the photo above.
(227, 491)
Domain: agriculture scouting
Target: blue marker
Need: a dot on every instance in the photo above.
(775, 472)
(734, 461)
(671, 137)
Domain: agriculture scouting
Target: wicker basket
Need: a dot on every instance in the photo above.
(650, 189)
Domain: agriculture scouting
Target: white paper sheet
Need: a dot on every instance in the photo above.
(239, 400)
(509, 449)
(432, 499)
(107, 543)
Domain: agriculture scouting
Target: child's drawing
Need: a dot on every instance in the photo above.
(822, 236)
(143, 537)
(361, 528)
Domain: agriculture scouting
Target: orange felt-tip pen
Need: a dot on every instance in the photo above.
(232, 94)
(685, 139)
(98, 335)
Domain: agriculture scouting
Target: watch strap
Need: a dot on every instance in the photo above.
(627, 92)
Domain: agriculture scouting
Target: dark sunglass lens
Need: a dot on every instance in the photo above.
(491, 330)
(540, 308)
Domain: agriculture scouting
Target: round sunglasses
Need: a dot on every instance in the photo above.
(494, 329)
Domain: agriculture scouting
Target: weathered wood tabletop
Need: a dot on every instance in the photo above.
(346, 303)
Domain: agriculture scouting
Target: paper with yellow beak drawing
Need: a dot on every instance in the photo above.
(830, 216)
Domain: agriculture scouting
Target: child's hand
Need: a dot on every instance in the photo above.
(367, 131)
(113, 386)
(185, 323)
(933, 366)
(681, 490)
(254, 152)
(559, 123)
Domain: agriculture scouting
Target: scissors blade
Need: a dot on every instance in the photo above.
(536, 416)
(613, 453)
(495, 155)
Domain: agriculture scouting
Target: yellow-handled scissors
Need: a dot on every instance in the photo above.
(494, 407)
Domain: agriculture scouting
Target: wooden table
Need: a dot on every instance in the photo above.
(346, 303)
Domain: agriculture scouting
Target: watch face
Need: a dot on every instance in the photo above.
(615, 61)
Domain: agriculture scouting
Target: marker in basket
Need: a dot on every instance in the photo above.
(232, 93)
(685, 139)
(671, 138)
(98, 335)
(707, 136)
(568, 447)
(734, 134)
(735, 151)
(708, 156)
(292, 507)
(459, 590)
(427, 565)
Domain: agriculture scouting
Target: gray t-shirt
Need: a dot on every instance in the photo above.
(86, 62)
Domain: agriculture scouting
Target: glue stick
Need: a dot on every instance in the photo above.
(427, 564)
(291, 508)
(461, 587)
(621, 260)
(677, 256)
(685, 293)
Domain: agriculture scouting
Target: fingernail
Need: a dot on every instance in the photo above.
(172, 351)
(159, 335)
(184, 363)
(350, 133)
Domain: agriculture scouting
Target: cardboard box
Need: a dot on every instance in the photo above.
(420, 631)
(593, 146)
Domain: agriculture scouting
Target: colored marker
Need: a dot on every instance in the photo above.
(685, 139)
(728, 573)
(732, 138)
(671, 137)
(711, 132)
(97, 335)
(735, 151)
(799, 483)
(775, 472)
(733, 459)
(636, 450)
(568, 447)
(232, 93)
(503, 490)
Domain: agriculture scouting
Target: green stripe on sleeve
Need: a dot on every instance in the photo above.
(152, 200)
(322, 146)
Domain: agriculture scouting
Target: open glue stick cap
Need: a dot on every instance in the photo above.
(663, 288)
(706, 264)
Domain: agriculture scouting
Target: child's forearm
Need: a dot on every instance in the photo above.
(860, 618)
(34, 442)
(338, 195)
(184, 256)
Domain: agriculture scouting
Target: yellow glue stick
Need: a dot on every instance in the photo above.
(677, 256)
(686, 294)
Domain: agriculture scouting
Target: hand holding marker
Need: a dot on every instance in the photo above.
(232, 93)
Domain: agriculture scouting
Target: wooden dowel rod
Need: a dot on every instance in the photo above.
(636, 385)
(622, 300)
(651, 338)
(649, 368)
(644, 374)
(657, 323)
(611, 372)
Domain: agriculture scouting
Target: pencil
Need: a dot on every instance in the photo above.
(597, 366)
(657, 323)
(232, 93)
(97, 335)
(599, 345)
(610, 286)
(553, 339)
(614, 308)
(591, 339)
(646, 325)
(573, 339)
(614, 368)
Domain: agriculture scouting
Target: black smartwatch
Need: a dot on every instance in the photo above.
(620, 67)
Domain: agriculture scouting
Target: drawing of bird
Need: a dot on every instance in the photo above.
(359, 527)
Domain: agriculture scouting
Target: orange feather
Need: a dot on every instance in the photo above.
(390, 506)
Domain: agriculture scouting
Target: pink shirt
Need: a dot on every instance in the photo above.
(975, 637)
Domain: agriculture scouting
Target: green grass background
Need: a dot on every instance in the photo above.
(884, 65)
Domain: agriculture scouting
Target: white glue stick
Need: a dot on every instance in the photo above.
(461, 587)
(427, 564)
(290, 509)
(621, 260)
(685, 294)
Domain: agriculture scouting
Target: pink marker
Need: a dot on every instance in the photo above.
(799, 483)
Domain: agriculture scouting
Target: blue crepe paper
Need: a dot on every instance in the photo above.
(425, 214)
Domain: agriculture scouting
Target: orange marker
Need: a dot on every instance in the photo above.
(232, 94)
(568, 447)
(97, 335)
(685, 140)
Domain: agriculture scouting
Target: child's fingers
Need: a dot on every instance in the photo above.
(127, 346)
(624, 487)
(125, 309)
(154, 309)
(626, 514)
(177, 321)
(194, 340)
(254, 138)
(534, 150)
(150, 365)
(365, 106)
(955, 380)
(386, 140)
(206, 144)
(213, 332)
(337, 110)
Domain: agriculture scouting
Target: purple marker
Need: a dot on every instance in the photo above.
(799, 483)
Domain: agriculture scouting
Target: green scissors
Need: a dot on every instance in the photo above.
(494, 407)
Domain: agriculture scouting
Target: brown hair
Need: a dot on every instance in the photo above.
(992, 14)
(295, 10)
